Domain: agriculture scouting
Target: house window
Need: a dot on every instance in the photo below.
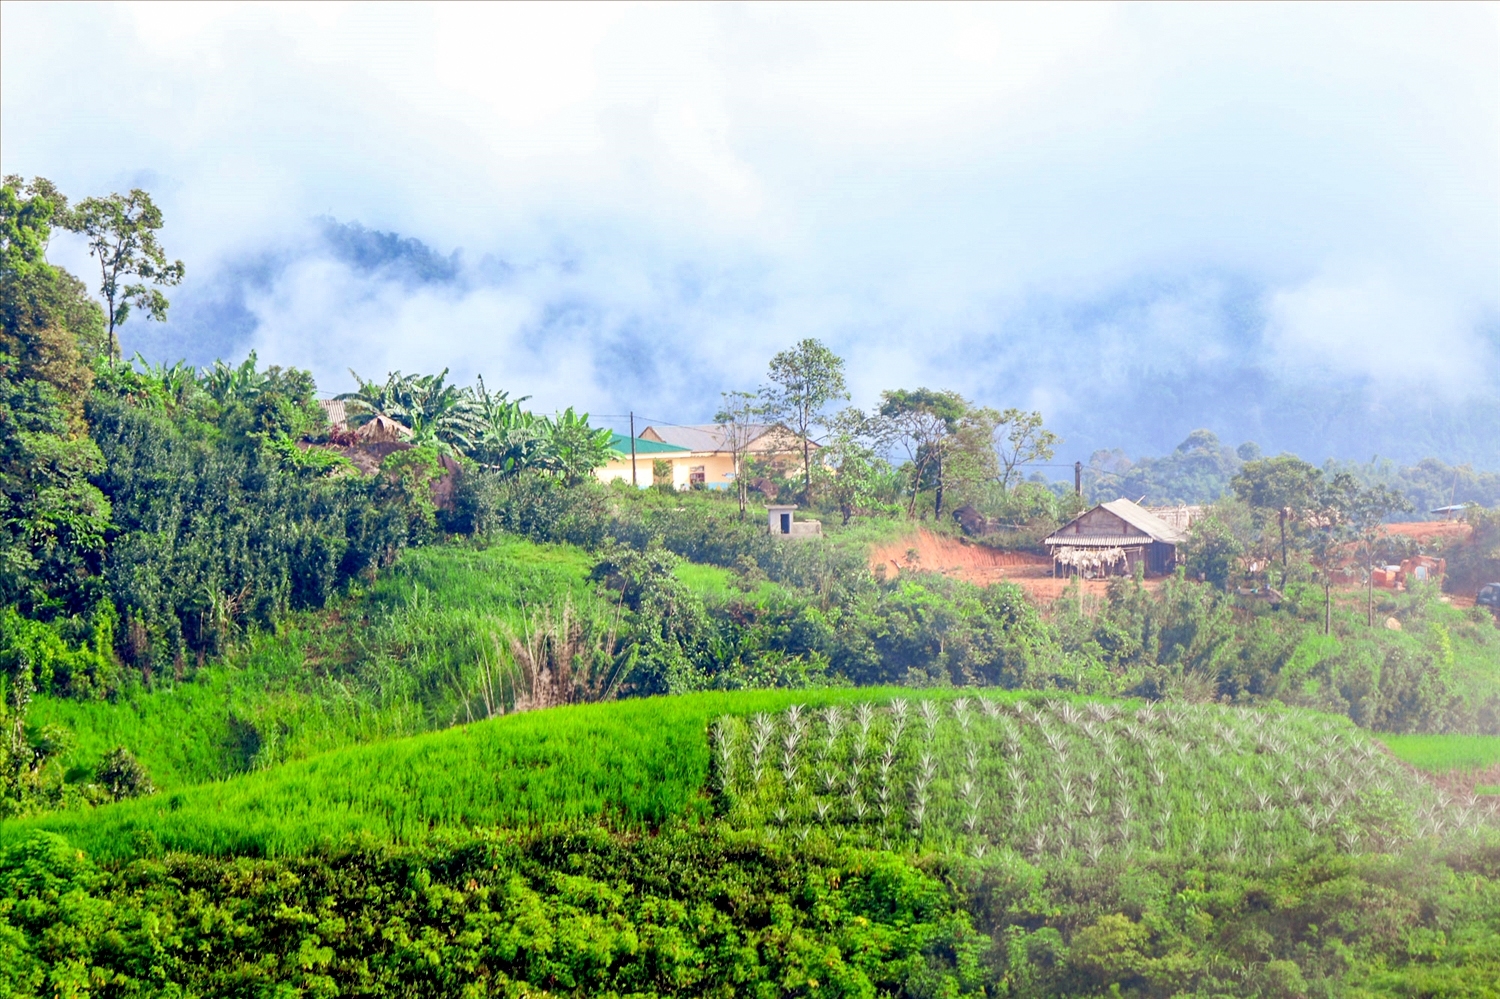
(695, 475)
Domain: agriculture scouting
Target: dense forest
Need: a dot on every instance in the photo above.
(198, 586)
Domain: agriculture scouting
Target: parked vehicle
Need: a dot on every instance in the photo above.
(1489, 596)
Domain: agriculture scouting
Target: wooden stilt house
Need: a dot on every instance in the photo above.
(1112, 539)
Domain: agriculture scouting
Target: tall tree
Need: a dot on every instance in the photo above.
(740, 419)
(1021, 438)
(1331, 530)
(1369, 509)
(121, 232)
(970, 455)
(804, 380)
(851, 462)
(53, 518)
(1284, 486)
(922, 421)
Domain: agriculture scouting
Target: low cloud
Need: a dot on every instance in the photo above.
(1374, 328)
(1267, 221)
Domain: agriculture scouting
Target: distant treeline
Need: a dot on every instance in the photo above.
(1199, 470)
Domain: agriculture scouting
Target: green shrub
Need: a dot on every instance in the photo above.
(121, 775)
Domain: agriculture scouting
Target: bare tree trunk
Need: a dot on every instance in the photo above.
(916, 490)
(739, 480)
(806, 467)
(937, 503)
(1281, 518)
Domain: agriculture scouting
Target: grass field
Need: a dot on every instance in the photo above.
(633, 764)
(1445, 753)
(717, 583)
(883, 768)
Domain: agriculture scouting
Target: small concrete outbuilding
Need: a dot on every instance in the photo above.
(1112, 539)
(782, 524)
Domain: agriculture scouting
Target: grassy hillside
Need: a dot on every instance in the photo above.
(403, 656)
(875, 768)
(851, 843)
(633, 764)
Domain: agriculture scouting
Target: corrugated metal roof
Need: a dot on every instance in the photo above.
(1096, 541)
(338, 419)
(1144, 520)
(711, 437)
(1137, 517)
(620, 444)
(1182, 516)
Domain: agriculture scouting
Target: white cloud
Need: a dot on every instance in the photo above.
(944, 192)
(1380, 328)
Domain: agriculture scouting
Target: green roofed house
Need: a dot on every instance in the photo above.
(647, 454)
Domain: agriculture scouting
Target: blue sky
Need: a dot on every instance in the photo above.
(1278, 222)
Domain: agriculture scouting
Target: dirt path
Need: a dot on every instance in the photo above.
(925, 551)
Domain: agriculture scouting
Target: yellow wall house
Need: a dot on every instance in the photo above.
(709, 461)
(647, 454)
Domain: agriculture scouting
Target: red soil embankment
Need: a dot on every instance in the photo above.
(1427, 531)
(925, 551)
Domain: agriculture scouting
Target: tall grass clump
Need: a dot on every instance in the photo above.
(426, 646)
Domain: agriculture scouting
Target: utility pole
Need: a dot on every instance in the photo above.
(635, 482)
(1077, 478)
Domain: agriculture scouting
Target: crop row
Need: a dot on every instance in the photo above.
(1061, 778)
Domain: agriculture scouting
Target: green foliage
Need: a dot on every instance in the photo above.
(1199, 470)
(1429, 484)
(925, 423)
(423, 647)
(638, 764)
(311, 461)
(1212, 551)
(489, 427)
(72, 657)
(557, 913)
(435, 411)
(804, 379)
(215, 538)
(121, 775)
(1021, 439)
(410, 475)
(52, 517)
(1157, 851)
